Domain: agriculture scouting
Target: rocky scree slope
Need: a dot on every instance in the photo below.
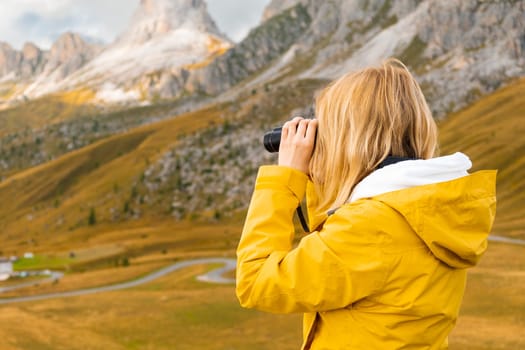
(210, 173)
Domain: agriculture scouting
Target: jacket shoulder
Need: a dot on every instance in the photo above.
(375, 222)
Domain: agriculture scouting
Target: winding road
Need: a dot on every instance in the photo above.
(213, 276)
(501, 239)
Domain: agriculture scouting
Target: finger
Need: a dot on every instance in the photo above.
(312, 130)
(284, 131)
(294, 122)
(301, 128)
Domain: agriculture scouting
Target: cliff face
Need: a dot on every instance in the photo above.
(9, 59)
(263, 45)
(458, 49)
(32, 60)
(67, 54)
(277, 6)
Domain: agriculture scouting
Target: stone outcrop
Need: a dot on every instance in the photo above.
(67, 54)
(262, 45)
(32, 60)
(275, 7)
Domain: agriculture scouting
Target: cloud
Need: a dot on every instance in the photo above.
(42, 22)
(236, 17)
(43, 30)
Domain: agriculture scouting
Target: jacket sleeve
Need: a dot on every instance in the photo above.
(329, 269)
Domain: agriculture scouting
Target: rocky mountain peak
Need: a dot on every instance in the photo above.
(277, 6)
(156, 18)
(30, 51)
(5, 46)
(9, 58)
(67, 46)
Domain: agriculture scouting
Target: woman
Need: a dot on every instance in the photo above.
(385, 268)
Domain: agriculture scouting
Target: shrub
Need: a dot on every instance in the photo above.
(92, 219)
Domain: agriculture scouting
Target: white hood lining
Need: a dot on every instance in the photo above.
(411, 173)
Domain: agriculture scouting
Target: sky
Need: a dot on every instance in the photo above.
(42, 21)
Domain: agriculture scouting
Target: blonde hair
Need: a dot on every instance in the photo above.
(364, 117)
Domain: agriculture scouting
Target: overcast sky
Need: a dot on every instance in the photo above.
(42, 21)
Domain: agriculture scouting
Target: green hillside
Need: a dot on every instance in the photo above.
(491, 132)
(44, 204)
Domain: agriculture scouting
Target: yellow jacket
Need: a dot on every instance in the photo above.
(386, 272)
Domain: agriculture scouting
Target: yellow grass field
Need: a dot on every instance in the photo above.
(178, 312)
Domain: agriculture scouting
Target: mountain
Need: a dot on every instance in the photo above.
(172, 49)
(20, 64)
(163, 37)
(68, 53)
(156, 18)
(459, 50)
(200, 164)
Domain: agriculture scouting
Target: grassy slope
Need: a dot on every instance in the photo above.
(46, 110)
(100, 175)
(46, 128)
(47, 207)
(67, 187)
(491, 132)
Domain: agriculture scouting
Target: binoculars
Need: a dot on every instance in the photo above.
(272, 140)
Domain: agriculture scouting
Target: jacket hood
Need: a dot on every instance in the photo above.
(450, 210)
